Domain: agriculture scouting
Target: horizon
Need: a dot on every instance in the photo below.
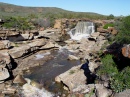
(116, 7)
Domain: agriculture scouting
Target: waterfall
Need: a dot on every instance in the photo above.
(82, 29)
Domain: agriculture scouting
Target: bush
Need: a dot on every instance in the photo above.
(108, 25)
(108, 66)
(121, 81)
(124, 31)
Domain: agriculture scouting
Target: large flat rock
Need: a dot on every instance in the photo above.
(17, 52)
(72, 78)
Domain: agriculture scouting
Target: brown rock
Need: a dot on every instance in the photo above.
(19, 79)
(126, 51)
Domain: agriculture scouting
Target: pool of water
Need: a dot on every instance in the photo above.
(46, 73)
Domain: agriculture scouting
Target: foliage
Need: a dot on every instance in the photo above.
(108, 25)
(124, 31)
(121, 81)
(50, 12)
(108, 66)
(17, 22)
(111, 16)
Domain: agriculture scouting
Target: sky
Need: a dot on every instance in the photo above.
(105, 7)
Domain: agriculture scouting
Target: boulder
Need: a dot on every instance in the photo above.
(5, 60)
(5, 44)
(19, 79)
(72, 78)
(101, 91)
(94, 35)
(126, 51)
(4, 74)
(52, 34)
(92, 66)
(20, 37)
(102, 30)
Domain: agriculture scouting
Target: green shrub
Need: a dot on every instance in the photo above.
(108, 66)
(124, 31)
(108, 25)
(121, 81)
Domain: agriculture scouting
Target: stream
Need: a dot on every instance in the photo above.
(46, 73)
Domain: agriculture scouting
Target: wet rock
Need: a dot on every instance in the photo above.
(19, 79)
(5, 44)
(32, 91)
(37, 85)
(4, 74)
(72, 57)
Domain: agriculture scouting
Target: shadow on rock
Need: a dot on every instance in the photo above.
(89, 75)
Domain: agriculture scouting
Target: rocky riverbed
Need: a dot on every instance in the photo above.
(40, 67)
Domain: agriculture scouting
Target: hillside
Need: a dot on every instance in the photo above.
(11, 10)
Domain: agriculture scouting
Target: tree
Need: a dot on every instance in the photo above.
(123, 36)
(111, 16)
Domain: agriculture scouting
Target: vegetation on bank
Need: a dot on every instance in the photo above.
(123, 36)
(119, 77)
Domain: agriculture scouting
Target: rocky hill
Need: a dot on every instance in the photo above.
(10, 9)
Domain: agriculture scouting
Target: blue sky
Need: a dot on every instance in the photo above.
(105, 7)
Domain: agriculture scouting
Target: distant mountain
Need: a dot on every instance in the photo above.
(10, 9)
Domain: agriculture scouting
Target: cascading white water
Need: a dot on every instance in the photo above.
(82, 29)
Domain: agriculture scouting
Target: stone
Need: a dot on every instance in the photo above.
(5, 60)
(31, 91)
(92, 66)
(4, 73)
(94, 35)
(125, 93)
(18, 52)
(126, 51)
(49, 45)
(35, 84)
(57, 24)
(102, 30)
(5, 44)
(19, 79)
(72, 57)
(72, 78)
(101, 91)
(9, 90)
(84, 88)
